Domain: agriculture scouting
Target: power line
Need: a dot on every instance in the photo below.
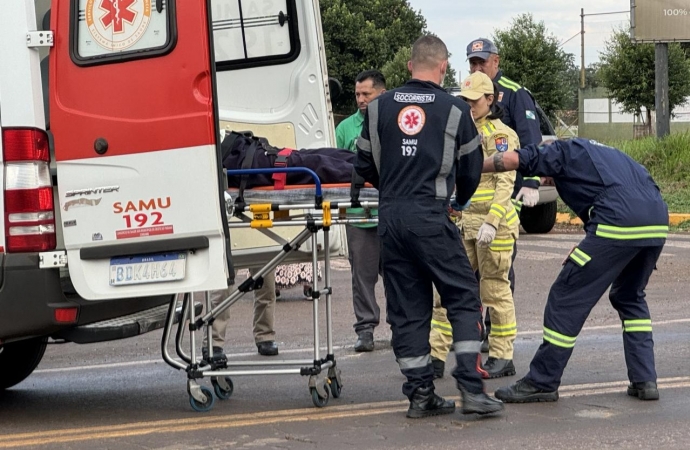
(570, 39)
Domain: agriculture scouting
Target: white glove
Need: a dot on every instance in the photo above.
(486, 234)
(529, 196)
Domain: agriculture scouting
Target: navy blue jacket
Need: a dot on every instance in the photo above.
(614, 196)
(520, 114)
(417, 143)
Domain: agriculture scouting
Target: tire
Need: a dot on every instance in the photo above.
(540, 218)
(19, 359)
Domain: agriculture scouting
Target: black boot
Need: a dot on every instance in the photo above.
(485, 345)
(644, 390)
(439, 367)
(497, 368)
(365, 342)
(479, 403)
(426, 403)
(524, 392)
(218, 355)
(267, 348)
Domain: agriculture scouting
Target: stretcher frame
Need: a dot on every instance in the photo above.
(324, 375)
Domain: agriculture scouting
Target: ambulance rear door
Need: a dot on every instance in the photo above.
(136, 136)
(273, 81)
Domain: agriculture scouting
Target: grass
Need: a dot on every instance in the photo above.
(668, 161)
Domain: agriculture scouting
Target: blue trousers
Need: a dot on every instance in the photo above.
(418, 251)
(595, 265)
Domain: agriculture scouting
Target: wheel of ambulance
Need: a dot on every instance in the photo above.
(205, 406)
(223, 393)
(319, 401)
(336, 388)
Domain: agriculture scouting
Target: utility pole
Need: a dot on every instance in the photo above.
(663, 119)
(582, 48)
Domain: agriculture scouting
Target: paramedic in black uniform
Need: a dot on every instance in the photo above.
(417, 144)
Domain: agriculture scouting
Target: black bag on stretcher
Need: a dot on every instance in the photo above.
(245, 151)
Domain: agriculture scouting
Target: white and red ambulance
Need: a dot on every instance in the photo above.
(111, 115)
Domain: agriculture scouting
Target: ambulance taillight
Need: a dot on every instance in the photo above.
(29, 214)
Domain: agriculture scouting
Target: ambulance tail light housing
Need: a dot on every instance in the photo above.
(29, 213)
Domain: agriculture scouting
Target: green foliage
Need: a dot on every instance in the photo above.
(628, 73)
(532, 57)
(395, 70)
(397, 74)
(361, 35)
(667, 161)
(591, 81)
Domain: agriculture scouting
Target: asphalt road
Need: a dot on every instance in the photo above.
(122, 395)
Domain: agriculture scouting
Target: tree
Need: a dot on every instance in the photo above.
(591, 81)
(532, 57)
(365, 34)
(628, 73)
(397, 74)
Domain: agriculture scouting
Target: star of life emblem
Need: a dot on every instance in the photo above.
(411, 120)
(117, 25)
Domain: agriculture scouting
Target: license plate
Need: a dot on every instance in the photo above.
(155, 268)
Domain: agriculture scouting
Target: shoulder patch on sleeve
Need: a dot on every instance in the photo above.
(530, 114)
(501, 141)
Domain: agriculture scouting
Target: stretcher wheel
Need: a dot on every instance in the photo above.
(336, 388)
(319, 401)
(205, 406)
(223, 392)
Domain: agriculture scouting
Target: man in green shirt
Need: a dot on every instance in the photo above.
(362, 240)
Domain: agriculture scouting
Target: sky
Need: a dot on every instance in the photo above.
(457, 24)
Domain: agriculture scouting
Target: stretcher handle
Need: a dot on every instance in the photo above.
(313, 174)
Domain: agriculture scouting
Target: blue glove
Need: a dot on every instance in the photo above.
(457, 207)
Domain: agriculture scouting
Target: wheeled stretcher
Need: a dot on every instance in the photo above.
(262, 210)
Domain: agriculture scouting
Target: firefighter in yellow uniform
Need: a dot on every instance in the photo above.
(490, 226)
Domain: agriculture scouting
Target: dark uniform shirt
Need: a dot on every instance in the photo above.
(614, 196)
(431, 146)
(520, 114)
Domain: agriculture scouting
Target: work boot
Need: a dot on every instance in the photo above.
(426, 403)
(365, 342)
(497, 368)
(485, 345)
(218, 354)
(479, 403)
(644, 390)
(267, 348)
(525, 392)
(439, 367)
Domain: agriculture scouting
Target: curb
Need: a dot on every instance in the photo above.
(673, 219)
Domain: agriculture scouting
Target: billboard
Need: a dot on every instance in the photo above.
(660, 20)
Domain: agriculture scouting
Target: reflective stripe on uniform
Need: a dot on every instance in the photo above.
(469, 147)
(579, 257)
(531, 178)
(513, 86)
(624, 233)
(517, 204)
(442, 327)
(512, 217)
(497, 210)
(503, 330)
(488, 129)
(414, 362)
(373, 111)
(637, 325)
(559, 340)
(502, 245)
(483, 195)
(363, 144)
(467, 347)
(452, 126)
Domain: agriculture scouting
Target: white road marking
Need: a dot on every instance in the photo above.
(309, 350)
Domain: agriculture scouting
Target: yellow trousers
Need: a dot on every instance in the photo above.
(494, 290)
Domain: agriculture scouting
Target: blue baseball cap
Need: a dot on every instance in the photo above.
(481, 48)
